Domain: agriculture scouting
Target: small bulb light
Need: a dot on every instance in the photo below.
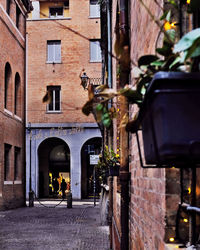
(171, 239)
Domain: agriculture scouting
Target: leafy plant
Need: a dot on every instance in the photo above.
(107, 159)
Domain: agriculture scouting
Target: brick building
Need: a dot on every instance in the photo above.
(62, 39)
(144, 203)
(12, 116)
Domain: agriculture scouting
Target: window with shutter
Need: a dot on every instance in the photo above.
(53, 51)
(94, 8)
(95, 51)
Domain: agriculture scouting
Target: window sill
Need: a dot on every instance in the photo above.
(95, 61)
(53, 112)
(8, 112)
(94, 17)
(53, 62)
(48, 18)
(8, 182)
(17, 182)
(17, 118)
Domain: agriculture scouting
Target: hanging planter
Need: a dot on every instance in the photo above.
(170, 119)
(113, 170)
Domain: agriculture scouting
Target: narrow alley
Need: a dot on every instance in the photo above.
(55, 228)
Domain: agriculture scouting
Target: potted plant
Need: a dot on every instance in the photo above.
(108, 163)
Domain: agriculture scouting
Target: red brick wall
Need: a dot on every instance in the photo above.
(147, 205)
(74, 56)
(11, 127)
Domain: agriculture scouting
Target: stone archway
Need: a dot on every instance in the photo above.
(54, 165)
(90, 147)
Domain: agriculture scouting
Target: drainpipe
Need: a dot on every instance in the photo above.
(109, 65)
(124, 145)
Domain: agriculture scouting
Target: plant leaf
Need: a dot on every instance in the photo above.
(88, 107)
(165, 50)
(172, 36)
(193, 50)
(173, 3)
(176, 61)
(147, 59)
(168, 16)
(157, 63)
(187, 40)
(133, 95)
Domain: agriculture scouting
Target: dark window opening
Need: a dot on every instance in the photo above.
(17, 108)
(7, 87)
(54, 93)
(16, 163)
(7, 149)
(8, 2)
(18, 13)
(56, 12)
(66, 4)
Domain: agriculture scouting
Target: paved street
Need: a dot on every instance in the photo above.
(53, 228)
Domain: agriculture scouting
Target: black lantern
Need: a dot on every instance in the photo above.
(84, 80)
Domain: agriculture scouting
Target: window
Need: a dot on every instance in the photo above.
(55, 103)
(66, 4)
(94, 8)
(17, 163)
(54, 51)
(55, 12)
(17, 108)
(7, 151)
(8, 88)
(95, 51)
(18, 16)
(8, 2)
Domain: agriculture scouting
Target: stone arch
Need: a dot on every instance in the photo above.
(54, 164)
(91, 146)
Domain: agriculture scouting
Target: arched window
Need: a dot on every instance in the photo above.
(8, 88)
(17, 108)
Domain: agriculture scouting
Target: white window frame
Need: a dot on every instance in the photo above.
(56, 16)
(94, 9)
(54, 45)
(53, 89)
(95, 51)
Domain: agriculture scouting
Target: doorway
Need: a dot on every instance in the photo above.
(54, 167)
(88, 173)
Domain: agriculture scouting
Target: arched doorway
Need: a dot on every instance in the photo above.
(90, 147)
(54, 166)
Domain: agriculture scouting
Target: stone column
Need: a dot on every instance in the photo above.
(75, 162)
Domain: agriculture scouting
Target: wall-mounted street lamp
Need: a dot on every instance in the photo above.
(84, 80)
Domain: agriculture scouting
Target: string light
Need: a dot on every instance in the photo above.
(188, 1)
(171, 239)
(189, 190)
(185, 220)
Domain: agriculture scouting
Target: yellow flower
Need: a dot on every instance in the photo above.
(169, 26)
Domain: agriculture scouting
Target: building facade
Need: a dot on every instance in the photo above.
(12, 105)
(63, 39)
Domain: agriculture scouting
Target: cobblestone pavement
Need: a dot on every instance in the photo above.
(59, 228)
